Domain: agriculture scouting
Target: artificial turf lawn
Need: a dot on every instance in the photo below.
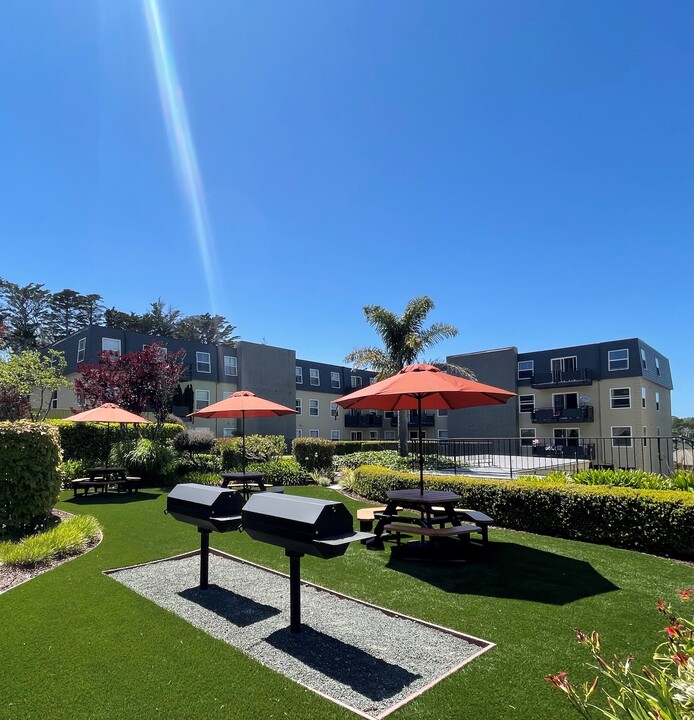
(76, 644)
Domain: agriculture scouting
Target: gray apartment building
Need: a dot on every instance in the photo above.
(619, 390)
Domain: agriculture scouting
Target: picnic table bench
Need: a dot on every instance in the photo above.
(106, 478)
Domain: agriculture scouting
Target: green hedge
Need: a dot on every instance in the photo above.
(345, 447)
(313, 453)
(654, 521)
(285, 471)
(29, 476)
(89, 442)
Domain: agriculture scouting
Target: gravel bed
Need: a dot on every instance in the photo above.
(354, 654)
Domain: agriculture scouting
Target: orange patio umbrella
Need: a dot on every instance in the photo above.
(108, 413)
(424, 387)
(243, 404)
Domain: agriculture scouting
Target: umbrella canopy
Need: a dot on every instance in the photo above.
(424, 387)
(243, 404)
(107, 413)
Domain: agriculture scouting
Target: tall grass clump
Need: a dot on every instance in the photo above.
(68, 538)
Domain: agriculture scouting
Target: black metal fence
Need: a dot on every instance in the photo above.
(520, 456)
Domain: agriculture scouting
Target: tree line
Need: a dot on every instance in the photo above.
(32, 318)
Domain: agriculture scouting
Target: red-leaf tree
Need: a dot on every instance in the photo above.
(136, 381)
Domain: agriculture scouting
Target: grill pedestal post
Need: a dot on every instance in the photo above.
(204, 557)
(294, 590)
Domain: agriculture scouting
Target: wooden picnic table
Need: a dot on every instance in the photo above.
(105, 478)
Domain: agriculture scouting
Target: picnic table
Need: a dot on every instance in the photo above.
(435, 521)
(245, 483)
(105, 479)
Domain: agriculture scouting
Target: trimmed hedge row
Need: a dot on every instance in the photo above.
(653, 521)
(89, 441)
(346, 447)
(29, 477)
(313, 453)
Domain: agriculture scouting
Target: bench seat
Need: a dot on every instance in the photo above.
(456, 530)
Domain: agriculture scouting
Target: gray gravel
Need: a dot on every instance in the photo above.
(352, 653)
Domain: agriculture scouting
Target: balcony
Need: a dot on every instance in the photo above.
(428, 420)
(562, 378)
(368, 420)
(563, 415)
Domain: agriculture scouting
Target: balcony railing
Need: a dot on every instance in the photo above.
(370, 420)
(563, 415)
(428, 420)
(563, 378)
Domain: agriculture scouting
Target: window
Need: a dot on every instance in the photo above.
(643, 397)
(526, 369)
(313, 433)
(298, 406)
(202, 399)
(644, 364)
(226, 395)
(299, 376)
(333, 410)
(203, 362)
(657, 366)
(372, 380)
(228, 432)
(527, 435)
(442, 413)
(564, 364)
(81, 349)
(618, 360)
(443, 434)
(315, 376)
(110, 345)
(299, 433)
(620, 398)
(389, 435)
(373, 434)
(334, 434)
(54, 399)
(231, 365)
(355, 435)
(621, 436)
(335, 379)
(645, 434)
(389, 414)
(568, 437)
(357, 380)
(313, 407)
(657, 401)
(526, 403)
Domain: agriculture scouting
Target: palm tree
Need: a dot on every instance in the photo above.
(404, 340)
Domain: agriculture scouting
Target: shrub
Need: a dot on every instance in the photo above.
(202, 478)
(656, 521)
(67, 538)
(194, 441)
(146, 458)
(259, 448)
(285, 471)
(71, 469)
(681, 480)
(29, 477)
(313, 453)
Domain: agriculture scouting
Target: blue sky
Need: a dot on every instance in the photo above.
(526, 164)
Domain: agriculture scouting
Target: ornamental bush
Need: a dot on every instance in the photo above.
(29, 476)
(259, 448)
(313, 453)
(654, 521)
(285, 471)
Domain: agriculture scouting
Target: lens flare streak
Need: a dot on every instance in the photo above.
(180, 139)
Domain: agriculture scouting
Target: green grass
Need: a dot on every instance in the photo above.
(76, 644)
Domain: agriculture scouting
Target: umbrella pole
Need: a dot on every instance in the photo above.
(243, 441)
(421, 446)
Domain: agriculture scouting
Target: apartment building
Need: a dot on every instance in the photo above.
(618, 389)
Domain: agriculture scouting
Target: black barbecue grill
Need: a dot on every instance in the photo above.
(209, 509)
(302, 526)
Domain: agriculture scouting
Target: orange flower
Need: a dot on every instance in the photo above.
(685, 594)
